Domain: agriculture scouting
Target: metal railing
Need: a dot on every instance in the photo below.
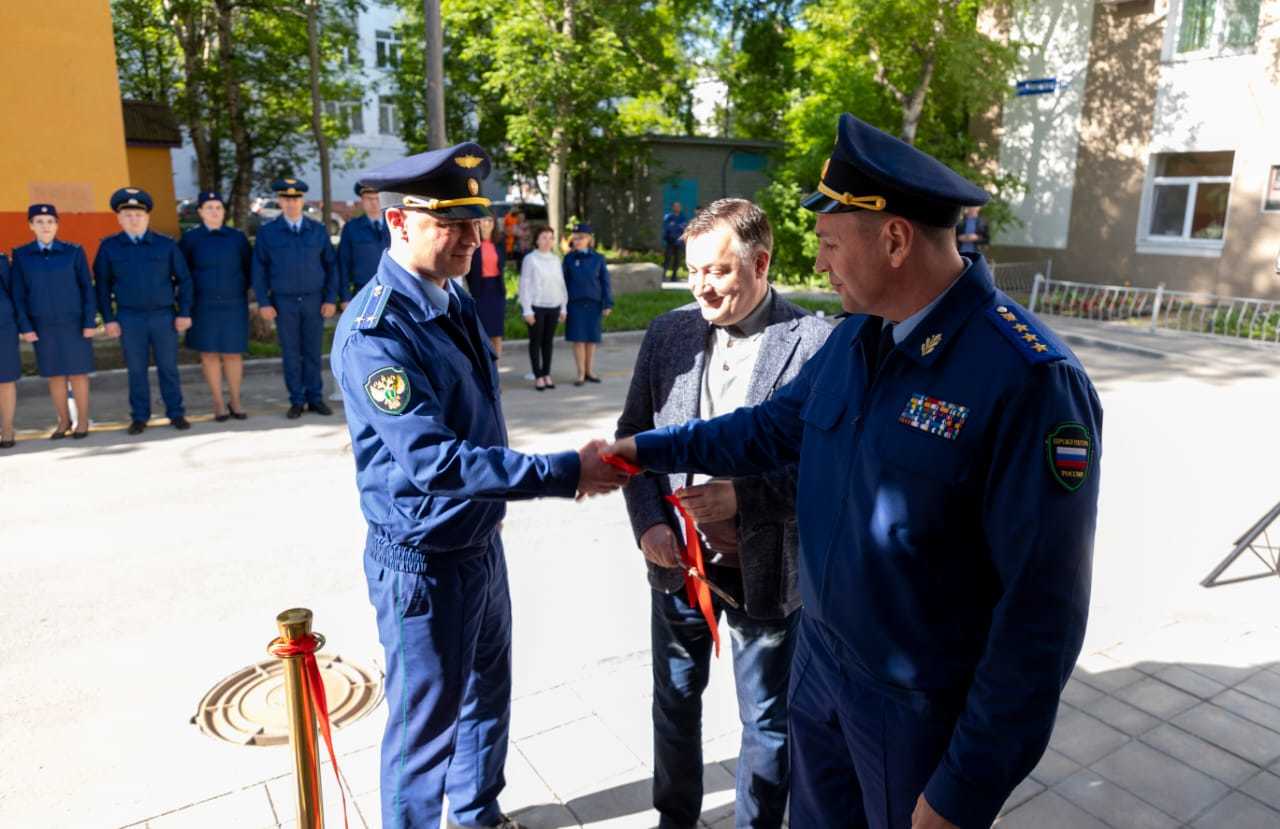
(1018, 278)
(1242, 318)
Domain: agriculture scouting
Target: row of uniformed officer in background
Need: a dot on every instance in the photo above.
(149, 290)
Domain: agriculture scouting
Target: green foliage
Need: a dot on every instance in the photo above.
(794, 245)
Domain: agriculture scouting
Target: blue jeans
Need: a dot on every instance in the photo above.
(143, 335)
(681, 666)
(447, 638)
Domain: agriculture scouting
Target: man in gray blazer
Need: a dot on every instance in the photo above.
(738, 343)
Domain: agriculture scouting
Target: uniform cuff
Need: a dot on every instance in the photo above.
(566, 469)
(653, 450)
(960, 801)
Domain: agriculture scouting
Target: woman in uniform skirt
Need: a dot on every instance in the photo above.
(586, 277)
(10, 362)
(219, 259)
(58, 313)
(487, 286)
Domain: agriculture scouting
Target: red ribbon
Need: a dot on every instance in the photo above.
(306, 647)
(697, 589)
(619, 462)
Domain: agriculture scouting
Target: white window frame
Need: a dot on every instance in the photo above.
(393, 119)
(343, 110)
(392, 50)
(1217, 47)
(1181, 245)
(1272, 169)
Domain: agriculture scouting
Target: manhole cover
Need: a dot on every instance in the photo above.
(248, 707)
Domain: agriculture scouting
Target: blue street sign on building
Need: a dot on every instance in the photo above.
(1037, 86)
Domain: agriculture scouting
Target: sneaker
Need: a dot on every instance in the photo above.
(320, 407)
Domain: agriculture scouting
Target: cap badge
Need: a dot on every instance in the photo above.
(130, 190)
(468, 162)
(291, 181)
(927, 347)
(132, 201)
(473, 187)
(44, 210)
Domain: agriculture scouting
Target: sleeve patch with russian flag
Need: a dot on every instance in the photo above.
(1069, 451)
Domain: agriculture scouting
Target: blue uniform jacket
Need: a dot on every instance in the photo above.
(427, 431)
(673, 227)
(359, 252)
(219, 261)
(141, 277)
(8, 310)
(939, 543)
(53, 287)
(292, 264)
(586, 276)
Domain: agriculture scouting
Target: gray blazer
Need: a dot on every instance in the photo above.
(666, 390)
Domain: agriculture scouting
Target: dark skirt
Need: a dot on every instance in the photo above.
(221, 328)
(62, 349)
(10, 362)
(584, 323)
(491, 303)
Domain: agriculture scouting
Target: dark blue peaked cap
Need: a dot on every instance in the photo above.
(131, 197)
(361, 188)
(445, 182)
(285, 186)
(872, 170)
(41, 209)
(210, 195)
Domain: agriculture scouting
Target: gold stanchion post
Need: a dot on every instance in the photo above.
(295, 624)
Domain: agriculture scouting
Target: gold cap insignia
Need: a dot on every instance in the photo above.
(291, 181)
(44, 210)
(927, 347)
(473, 187)
(468, 162)
(132, 201)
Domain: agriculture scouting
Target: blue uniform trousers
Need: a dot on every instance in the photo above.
(144, 335)
(447, 637)
(861, 751)
(762, 653)
(301, 329)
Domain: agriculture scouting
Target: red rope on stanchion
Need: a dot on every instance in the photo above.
(306, 647)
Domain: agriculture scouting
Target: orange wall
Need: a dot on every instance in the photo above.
(151, 168)
(64, 132)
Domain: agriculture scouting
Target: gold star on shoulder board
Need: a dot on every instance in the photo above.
(1009, 317)
(1021, 328)
(927, 347)
(1029, 337)
(1040, 347)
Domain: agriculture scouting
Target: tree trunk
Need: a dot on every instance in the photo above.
(559, 143)
(914, 107)
(317, 125)
(242, 180)
(434, 67)
(189, 26)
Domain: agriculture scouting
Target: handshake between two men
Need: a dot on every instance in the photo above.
(605, 467)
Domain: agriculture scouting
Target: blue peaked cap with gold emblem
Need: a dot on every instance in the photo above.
(131, 197)
(871, 170)
(361, 188)
(445, 182)
(286, 186)
(41, 209)
(209, 195)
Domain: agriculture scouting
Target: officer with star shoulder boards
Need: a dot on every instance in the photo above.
(948, 446)
(420, 385)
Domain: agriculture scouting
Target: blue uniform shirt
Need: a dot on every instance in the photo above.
(53, 286)
(423, 407)
(946, 513)
(141, 276)
(8, 309)
(586, 276)
(219, 261)
(359, 252)
(286, 263)
(673, 227)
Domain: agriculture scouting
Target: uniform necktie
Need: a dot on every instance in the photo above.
(884, 345)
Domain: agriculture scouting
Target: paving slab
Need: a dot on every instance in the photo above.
(1195, 752)
(1181, 791)
(1238, 811)
(1231, 733)
(1112, 804)
(1049, 810)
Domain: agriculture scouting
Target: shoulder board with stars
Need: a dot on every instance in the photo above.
(375, 303)
(1026, 340)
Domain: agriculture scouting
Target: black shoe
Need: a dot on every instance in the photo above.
(60, 432)
(591, 378)
(222, 418)
(320, 407)
(180, 423)
(579, 382)
(295, 411)
(80, 435)
(548, 383)
(237, 415)
(136, 427)
(8, 444)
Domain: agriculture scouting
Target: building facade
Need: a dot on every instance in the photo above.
(1147, 135)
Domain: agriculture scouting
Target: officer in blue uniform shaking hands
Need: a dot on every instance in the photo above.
(420, 385)
(948, 445)
(140, 277)
(360, 247)
(295, 278)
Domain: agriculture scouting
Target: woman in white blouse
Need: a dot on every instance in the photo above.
(542, 301)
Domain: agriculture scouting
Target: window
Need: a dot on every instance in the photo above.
(1214, 27)
(1187, 200)
(388, 48)
(388, 116)
(1271, 196)
(348, 114)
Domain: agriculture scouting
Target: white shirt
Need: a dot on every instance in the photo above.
(542, 282)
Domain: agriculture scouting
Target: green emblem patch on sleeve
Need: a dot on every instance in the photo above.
(388, 390)
(1069, 451)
